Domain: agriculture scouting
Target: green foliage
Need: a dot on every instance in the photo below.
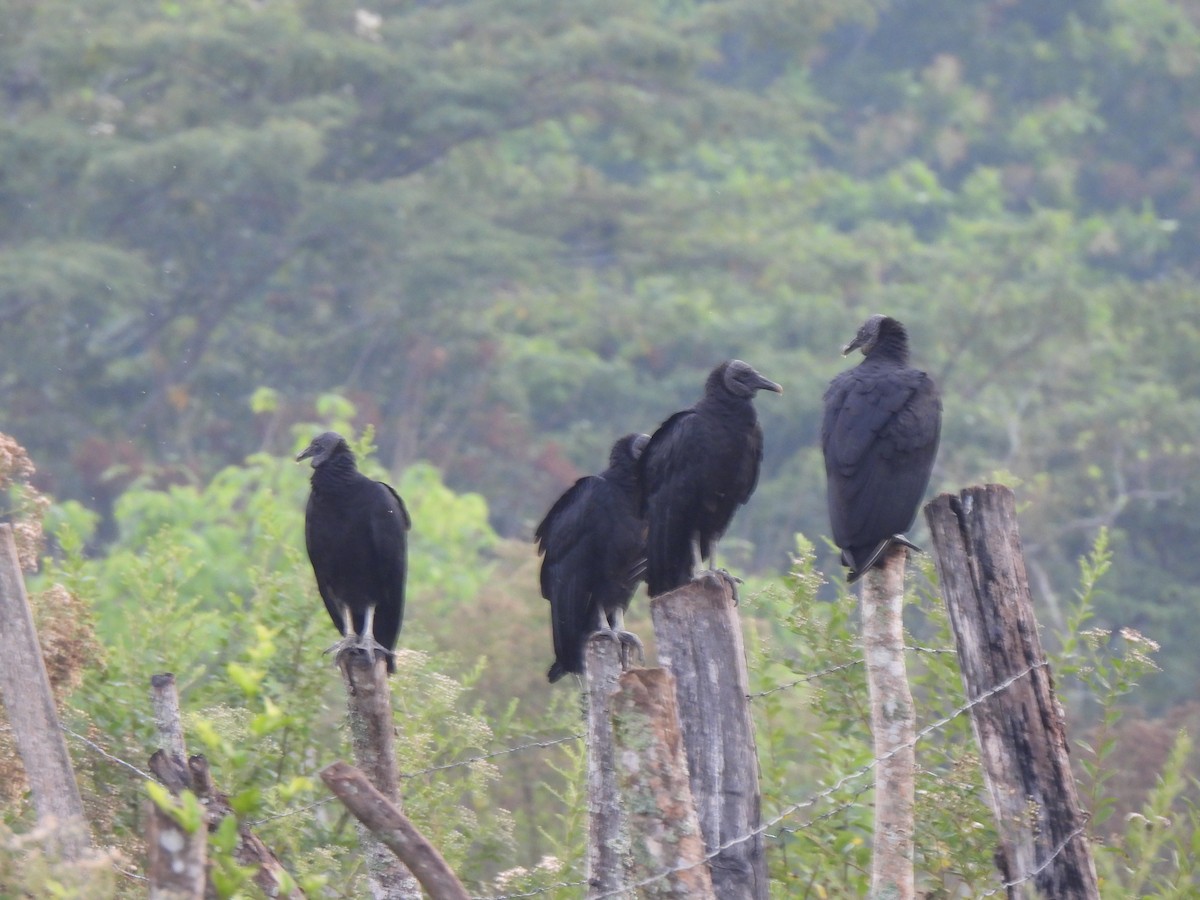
(511, 235)
(1159, 853)
(505, 234)
(815, 746)
(211, 582)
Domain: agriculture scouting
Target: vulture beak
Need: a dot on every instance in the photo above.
(765, 384)
(639, 444)
(853, 345)
(309, 451)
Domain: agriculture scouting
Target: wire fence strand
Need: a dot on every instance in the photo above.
(762, 829)
(532, 745)
(805, 680)
(113, 759)
(817, 798)
(1044, 864)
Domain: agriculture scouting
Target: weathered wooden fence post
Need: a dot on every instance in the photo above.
(1021, 730)
(175, 854)
(608, 839)
(699, 639)
(175, 857)
(372, 737)
(665, 834)
(29, 704)
(893, 727)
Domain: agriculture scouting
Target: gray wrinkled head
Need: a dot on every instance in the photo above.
(871, 332)
(323, 447)
(629, 447)
(741, 380)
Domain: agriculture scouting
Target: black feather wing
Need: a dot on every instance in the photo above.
(568, 539)
(879, 433)
(324, 553)
(671, 468)
(388, 523)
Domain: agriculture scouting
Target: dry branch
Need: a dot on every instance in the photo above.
(655, 791)
(381, 817)
(699, 638)
(1021, 731)
(29, 704)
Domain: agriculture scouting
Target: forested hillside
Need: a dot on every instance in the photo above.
(510, 232)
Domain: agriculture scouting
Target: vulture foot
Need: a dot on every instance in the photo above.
(733, 581)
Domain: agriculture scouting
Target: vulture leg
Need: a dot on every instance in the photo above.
(349, 639)
(730, 579)
(613, 627)
(697, 556)
(366, 641)
(627, 639)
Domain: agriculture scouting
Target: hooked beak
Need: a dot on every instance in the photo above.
(852, 346)
(309, 451)
(765, 384)
(639, 444)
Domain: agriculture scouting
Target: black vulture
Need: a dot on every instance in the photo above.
(880, 435)
(700, 465)
(356, 532)
(594, 541)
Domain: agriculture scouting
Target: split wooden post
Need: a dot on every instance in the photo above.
(384, 820)
(29, 705)
(699, 638)
(608, 839)
(176, 857)
(656, 796)
(1043, 851)
(168, 721)
(175, 852)
(893, 727)
(372, 738)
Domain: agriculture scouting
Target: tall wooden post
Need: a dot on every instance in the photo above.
(608, 839)
(1021, 730)
(29, 704)
(372, 737)
(893, 726)
(699, 638)
(653, 780)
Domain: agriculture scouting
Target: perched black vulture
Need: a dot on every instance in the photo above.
(356, 532)
(594, 541)
(699, 466)
(880, 434)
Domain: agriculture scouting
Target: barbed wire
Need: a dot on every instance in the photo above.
(115, 759)
(763, 829)
(817, 798)
(532, 745)
(805, 680)
(838, 668)
(1054, 854)
(828, 814)
(471, 760)
(535, 892)
(131, 875)
(930, 650)
(288, 813)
